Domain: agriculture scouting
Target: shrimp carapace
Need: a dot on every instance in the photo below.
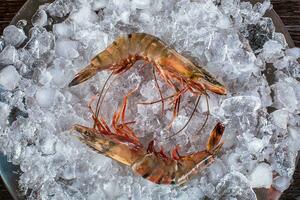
(120, 143)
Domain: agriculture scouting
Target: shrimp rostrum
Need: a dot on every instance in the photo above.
(120, 143)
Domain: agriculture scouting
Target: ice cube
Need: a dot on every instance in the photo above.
(224, 23)
(13, 36)
(96, 195)
(235, 186)
(179, 122)
(59, 8)
(45, 97)
(284, 157)
(264, 91)
(234, 161)
(240, 105)
(47, 144)
(59, 77)
(68, 172)
(280, 118)
(112, 190)
(4, 112)
(83, 15)
(261, 176)
(293, 69)
(25, 57)
(262, 7)
(256, 145)
(210, 104)
(281, 183)
(39, 18)
(66, 48)
(133, 82)
(8, 56)
(294, 138)
(2, 44)
(285, 95)
(9, 77)
(121, 3)
(216, 47)
(41, 42)
(62, 29)
(149, 91)
(216, 171)
(125, 17)
(140, 4)
(281, 63)
(293, 52)
(194, 193)
(272, 50)
(279, 37)
(45, 77)
(97, 5)
(146, 17)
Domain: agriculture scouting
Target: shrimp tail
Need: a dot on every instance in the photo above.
(85, 74)
(213, 144)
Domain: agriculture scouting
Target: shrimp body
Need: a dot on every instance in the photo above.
(127, 49)
(150, 164)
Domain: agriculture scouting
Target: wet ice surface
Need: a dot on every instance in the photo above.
(260, 148)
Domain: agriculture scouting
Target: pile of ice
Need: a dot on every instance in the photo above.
(231, 38)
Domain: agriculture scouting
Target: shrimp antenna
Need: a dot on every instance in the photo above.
(100, 96)
(207, 115)
(160, 92)
(156, 101)
(194, 110)
(101, 102)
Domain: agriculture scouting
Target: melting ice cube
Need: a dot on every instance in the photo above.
(4, 112)
(261, 176)
(39, 18)
(8, 56)
(235, 186)
(45, 97)
(13, 36)
(9, 77)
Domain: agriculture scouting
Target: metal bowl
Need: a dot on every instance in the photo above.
(10, 173)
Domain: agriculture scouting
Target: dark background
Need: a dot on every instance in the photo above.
(289, 12)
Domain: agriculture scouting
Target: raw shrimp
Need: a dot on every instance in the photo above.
(126, 50)
(120, 143)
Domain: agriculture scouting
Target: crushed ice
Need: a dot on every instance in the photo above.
(231, 38)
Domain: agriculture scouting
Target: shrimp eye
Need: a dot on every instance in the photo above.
(194, 75)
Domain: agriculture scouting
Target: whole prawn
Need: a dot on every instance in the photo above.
(126, 50)
(171, 66)
(121, 144)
